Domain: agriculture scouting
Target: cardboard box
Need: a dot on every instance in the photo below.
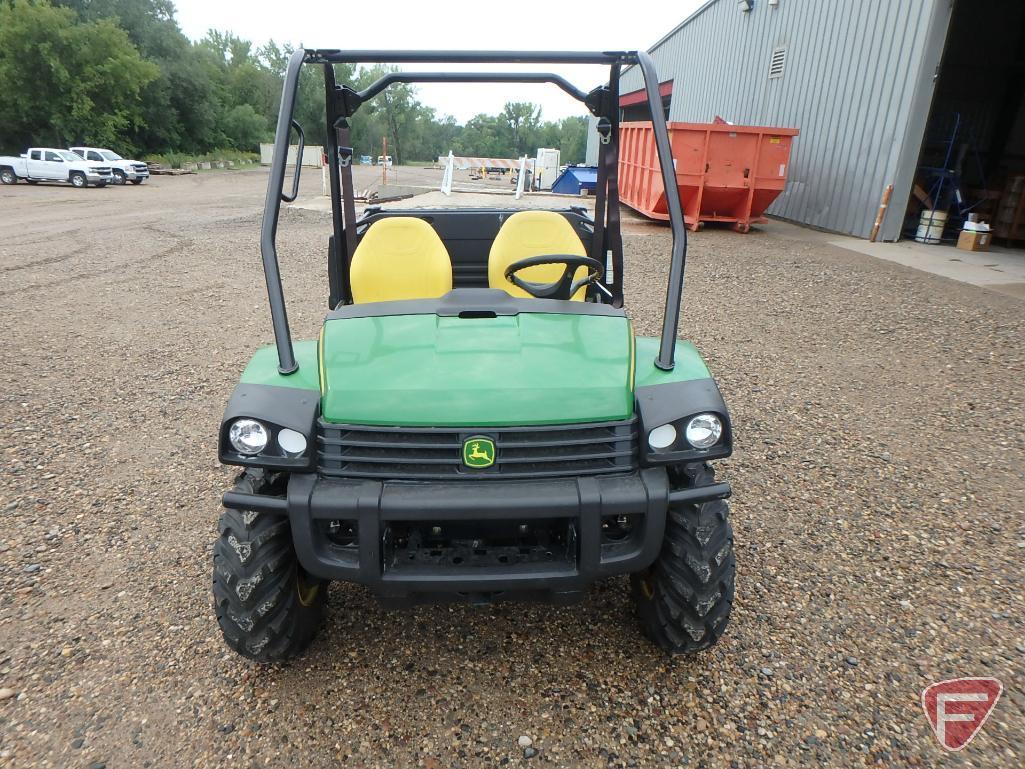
(973, 241)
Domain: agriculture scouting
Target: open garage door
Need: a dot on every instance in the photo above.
(972, 160)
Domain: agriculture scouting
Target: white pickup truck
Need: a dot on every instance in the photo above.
(45, 164)
(134, 171)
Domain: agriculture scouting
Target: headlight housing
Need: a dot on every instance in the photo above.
(703, 431)
(694, 408)
(248, 436)
(270, 427)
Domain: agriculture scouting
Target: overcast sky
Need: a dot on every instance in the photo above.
(452, 24)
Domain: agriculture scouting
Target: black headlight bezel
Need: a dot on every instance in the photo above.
(676, 403)
(276, 408)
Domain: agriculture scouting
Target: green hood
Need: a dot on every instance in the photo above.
(525, 369)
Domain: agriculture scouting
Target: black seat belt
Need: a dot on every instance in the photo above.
(613, 233)
(598, 246)
(607, 242)
(348, 202)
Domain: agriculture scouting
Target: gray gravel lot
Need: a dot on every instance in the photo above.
(879, 491)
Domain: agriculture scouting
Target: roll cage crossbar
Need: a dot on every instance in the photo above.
(469, 77)
(343, 101)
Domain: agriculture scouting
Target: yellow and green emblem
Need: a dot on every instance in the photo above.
(478, 452)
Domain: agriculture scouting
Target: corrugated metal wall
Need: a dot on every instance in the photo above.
(856, 77)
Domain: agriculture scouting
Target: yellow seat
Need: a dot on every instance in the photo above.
(400, 257)
(534, 233)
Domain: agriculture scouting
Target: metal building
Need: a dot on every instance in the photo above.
(878, 88)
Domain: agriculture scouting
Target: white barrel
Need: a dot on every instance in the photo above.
(931, 226)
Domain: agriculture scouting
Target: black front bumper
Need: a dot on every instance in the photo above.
(401, 568)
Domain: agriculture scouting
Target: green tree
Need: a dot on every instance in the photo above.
(64, 81)
(245, 128)
(395, 113)
(573, 139)
(150, 24)
(178, 106)
(120, 72)
(440, 138)
(243, 89)
(521, 127)
(482, 136)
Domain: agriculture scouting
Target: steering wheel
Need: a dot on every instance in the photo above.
(565, 286)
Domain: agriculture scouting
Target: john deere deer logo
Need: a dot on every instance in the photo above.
(478, 452)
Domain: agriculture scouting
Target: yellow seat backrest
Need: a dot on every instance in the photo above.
(533, 233)
(400, 257)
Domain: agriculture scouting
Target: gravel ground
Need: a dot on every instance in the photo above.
(878, 509)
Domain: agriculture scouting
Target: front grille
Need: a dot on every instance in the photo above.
(140, 168)
(102, 170)
(431, 453)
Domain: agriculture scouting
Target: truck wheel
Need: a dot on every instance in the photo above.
(78, 179)
(136, 181)
(684, 599)
(119, 177)
(268, 608)
(7, 176)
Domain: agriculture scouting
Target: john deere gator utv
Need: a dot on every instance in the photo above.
(477, 420)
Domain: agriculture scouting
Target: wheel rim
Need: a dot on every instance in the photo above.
(7, 176)
(77, 181)
(306, 587)
(119, 178)
(647, 585)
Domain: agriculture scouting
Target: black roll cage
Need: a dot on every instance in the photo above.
(343, 101)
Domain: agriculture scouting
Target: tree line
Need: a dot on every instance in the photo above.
(121, 74)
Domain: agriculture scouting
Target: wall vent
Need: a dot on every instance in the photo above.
(777, 63)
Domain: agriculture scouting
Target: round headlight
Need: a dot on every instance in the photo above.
(291, 442)
(662, 437)
(703, 431)
(247, 436)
